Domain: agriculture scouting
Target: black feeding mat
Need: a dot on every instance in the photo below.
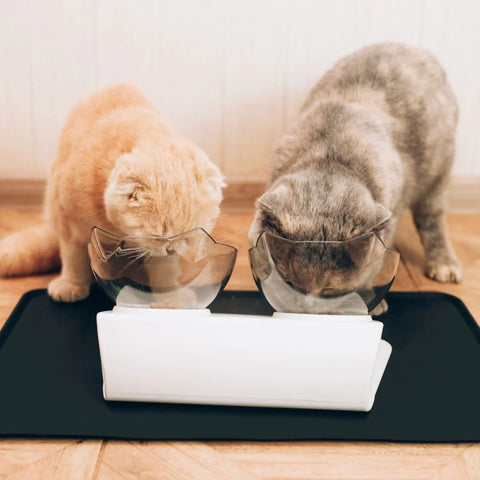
(51, 383)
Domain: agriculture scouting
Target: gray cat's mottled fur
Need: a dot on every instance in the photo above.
(375, 137)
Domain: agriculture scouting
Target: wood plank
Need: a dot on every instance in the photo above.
(16, 455)
(53, 459)
(244, 451)
(184, 465)
(77, 461)
(107, 473)
(42, 468)
(471, 461)
(352, 468)
(131, 462)
(356, 460)
(197, 460)
(455, 469)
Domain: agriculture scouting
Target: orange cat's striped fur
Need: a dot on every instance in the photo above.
(121, 168)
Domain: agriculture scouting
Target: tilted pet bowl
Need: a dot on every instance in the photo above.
(350, 277)
(184, 271)
(160, 343)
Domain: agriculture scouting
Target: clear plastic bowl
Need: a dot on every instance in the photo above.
(183, 271)
(322, 277)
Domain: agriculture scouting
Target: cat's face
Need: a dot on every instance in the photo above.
(157, 193)
(326, 268)
(311, 214)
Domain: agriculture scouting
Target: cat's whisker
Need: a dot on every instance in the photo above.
(140, 255)
(128, 249)
(131, 252)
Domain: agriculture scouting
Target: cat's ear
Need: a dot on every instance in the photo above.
(381, 216)
(268, 206)
(272, 199)
(124, 181)
(256, 228)
(209, 178)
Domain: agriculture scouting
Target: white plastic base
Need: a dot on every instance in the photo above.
(287, 360)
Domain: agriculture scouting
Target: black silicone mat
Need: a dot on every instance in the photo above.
(51, 384)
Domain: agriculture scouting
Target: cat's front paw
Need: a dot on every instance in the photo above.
(63, 290)
(440, 272)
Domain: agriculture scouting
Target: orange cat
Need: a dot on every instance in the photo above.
(118, 167)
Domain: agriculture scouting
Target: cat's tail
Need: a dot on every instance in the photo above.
(29, 251)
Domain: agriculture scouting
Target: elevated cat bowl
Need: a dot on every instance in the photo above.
(184, 271)
(182, 353)
(323, 277)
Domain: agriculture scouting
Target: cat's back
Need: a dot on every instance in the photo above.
(385, 62)
(102, 127)
(98, 130)
(86, 118)
(406, 82)
(105, 101)
(398, 70)
(405, 89)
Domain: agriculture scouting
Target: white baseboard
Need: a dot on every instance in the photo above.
(464, 194)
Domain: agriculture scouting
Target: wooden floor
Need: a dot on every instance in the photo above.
(65, 459)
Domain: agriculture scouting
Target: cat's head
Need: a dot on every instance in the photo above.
(307, 207)
(163, 189)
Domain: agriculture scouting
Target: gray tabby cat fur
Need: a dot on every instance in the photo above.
(376, 136)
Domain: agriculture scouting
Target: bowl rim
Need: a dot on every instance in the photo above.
(329, 242)
(158, 237)
(264, 252)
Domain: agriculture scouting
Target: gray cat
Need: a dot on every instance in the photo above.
(375, 137)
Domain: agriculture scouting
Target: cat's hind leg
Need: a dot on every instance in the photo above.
(430, 219)
(73, 284)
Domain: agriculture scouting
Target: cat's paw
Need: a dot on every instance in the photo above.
(440, 272)
(63, 290)
(381, 308)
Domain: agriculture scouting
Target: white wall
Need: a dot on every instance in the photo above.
(229, 74)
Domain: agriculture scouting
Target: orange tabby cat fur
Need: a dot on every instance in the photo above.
(118, 167)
